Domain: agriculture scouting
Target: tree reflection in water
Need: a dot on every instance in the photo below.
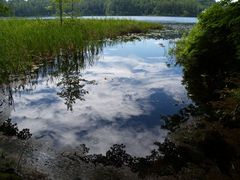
(69, 67)
(66, 69)
(166, 159)
(72, 89)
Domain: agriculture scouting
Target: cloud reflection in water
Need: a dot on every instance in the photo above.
(134, 88)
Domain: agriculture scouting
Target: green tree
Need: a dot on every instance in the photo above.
(107, 7)
(210, 53)
(70, 6)
(3, 8)
(59, 4)
(215, 41)
(63, 6)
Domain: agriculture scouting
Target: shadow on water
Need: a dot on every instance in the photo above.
(199, 145)
(167, 159)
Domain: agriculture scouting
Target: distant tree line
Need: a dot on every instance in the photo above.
(3, 8)
(107, 7)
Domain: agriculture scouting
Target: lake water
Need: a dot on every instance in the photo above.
(157, 19)
(113, 94)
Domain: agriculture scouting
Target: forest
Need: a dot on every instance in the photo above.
(35, 8)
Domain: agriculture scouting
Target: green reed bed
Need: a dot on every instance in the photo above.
(24, 42)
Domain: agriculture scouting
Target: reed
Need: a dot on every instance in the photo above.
(23, 42)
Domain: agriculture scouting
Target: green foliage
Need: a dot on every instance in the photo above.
(214, 43)
(3, 8)
(31, 8)
(91, 7)
(26, 42)
(110, 7)
(210, 52)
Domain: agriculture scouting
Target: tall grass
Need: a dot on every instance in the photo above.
(23, 42)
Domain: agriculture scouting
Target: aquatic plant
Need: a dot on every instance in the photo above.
(27, 42)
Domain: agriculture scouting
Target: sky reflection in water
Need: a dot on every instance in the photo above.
(133, 88)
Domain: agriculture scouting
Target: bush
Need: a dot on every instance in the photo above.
(213, 45)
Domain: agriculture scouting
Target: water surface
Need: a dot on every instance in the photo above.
(111, 95)
(156, 19)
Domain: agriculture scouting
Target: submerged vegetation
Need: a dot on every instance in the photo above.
(25, 42)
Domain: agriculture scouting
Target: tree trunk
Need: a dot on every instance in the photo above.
(61, 11)
(72, 9)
